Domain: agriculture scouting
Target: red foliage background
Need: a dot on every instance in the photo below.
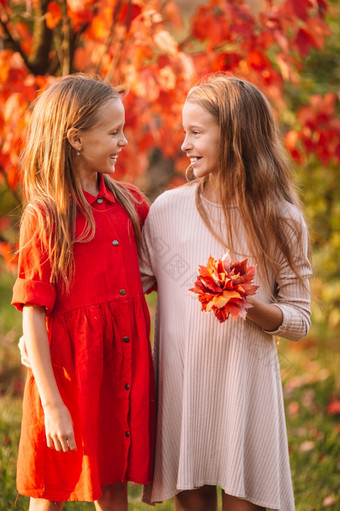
(144, 44)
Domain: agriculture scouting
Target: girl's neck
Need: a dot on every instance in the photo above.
(90, 183)
(211, 191)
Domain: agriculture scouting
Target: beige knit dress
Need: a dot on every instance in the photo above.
(220, 418)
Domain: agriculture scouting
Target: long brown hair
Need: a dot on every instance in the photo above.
(52, 190)
(254, 171)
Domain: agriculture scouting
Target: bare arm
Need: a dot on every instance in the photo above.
(267, 315)
(58, 421)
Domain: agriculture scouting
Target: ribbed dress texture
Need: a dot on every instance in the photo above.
(220, 418)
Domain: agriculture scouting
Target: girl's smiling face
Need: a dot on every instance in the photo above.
(101, 144)
(202, 139)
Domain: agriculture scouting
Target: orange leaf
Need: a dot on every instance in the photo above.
(26, 38)
(99, 29)
(228, 295)
(8, 253)
(80, 12)
(128, 13)
(53, 15)
(172, 13)
(219, 288)
(258, 60)
(166, 42)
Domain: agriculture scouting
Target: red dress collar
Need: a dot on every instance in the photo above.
(103, 193)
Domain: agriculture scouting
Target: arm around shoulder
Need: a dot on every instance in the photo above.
(146, 260)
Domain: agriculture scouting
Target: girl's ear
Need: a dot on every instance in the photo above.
(74, 137)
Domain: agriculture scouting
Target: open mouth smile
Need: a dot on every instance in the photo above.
(195, 159)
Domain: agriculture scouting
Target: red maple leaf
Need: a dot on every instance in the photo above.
(222, 287)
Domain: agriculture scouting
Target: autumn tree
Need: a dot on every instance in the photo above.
(315, 144)
(145, 45)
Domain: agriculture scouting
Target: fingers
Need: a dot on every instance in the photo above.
(62, 443)
(59, 428)
(53, 443)
(72, 443)
(23, 352)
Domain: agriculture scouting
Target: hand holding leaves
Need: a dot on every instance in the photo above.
(222, 287)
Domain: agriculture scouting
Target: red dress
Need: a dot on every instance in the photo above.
(100, 351)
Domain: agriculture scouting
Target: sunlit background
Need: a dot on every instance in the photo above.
(158, 49)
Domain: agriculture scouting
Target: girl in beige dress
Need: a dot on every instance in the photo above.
(220, 418)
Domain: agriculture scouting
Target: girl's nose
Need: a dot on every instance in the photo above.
(123, 141)
(185, 146)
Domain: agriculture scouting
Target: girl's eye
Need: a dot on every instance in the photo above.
(195, 132)
(114, 133)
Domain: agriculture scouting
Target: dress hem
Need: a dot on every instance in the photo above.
(175, 492)
(43, 494)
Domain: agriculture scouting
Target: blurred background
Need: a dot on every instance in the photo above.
(291, 50)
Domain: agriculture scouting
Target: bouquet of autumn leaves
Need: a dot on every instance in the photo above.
(222, 287)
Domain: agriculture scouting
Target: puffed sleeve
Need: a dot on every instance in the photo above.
(146, 259)
(32, 287)
(293, 297)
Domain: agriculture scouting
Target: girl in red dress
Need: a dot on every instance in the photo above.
(88, 410)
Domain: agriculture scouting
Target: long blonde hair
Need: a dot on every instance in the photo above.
(254, 172)
(52, 190)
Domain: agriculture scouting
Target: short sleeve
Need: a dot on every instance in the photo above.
(32, 287)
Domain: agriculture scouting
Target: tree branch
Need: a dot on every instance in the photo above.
(110, 38)
(115, 61)
(42, 36)
(15, 45)
(66, 63)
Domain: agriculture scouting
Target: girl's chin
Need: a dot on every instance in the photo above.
(107, 171)
(199, 173)
(112, 170)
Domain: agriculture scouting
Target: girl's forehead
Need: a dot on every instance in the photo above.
(111, 111)
(112, 104)
(193, 112)
(192, 107)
